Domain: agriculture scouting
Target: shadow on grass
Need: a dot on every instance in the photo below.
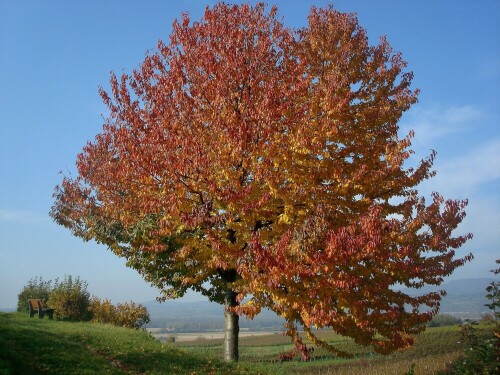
(33, 346)
(29, 347)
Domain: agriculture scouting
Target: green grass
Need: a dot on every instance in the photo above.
(34, 346)
(433, 350)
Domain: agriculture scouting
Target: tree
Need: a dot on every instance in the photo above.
(262, 167)
(70, 299)
(36, 288)
(493, 296)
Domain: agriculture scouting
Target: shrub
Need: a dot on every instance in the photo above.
(35, 288)
(493, 295)
(70, 299)
(102, 311)
(479, 357)
(127, 314)
(132, 315)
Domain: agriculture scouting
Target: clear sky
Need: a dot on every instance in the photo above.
(54, 55)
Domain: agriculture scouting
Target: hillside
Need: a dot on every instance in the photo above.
(34, 346)
(464, 299)
(179, 316)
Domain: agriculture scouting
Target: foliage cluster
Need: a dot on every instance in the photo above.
(254, 162)
(493, 295)
(480, 354)
(35, 288)
(127, 314)
(70, 299)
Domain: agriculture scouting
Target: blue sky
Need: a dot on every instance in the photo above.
(54, 55)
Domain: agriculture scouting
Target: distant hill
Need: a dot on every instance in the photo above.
(464, 299)
(200, 316)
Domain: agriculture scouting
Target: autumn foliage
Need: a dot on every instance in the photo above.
(128, 314)
(247, 157)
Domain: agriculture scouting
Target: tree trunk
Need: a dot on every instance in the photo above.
(231, 327)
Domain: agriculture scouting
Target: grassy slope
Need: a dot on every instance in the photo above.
(34, 346)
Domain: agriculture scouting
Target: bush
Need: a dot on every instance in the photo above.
(35, 289)
(70, 299)
(102, 311)
(132, 315)
(479, 357)
(124, 315)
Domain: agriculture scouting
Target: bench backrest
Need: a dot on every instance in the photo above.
(34, 304)
(37, 306)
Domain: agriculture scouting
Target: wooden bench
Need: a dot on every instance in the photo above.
(37, 306)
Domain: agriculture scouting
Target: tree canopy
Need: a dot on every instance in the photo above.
(263, 167)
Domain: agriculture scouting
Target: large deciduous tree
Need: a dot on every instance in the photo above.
(261, 166)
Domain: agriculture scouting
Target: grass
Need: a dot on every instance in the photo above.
(34, 346)
(433, 351)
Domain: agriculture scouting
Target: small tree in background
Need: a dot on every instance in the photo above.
(481, 355)
(36, 288)
(70, 299)
(493, 295)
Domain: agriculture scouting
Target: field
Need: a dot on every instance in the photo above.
(33, 346)
(433, 350)
(197, 336)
